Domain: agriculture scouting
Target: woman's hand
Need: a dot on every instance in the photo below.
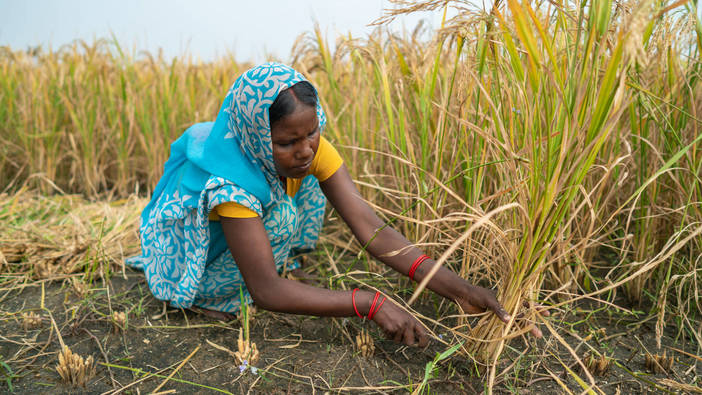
(400, 326)
(475, 300)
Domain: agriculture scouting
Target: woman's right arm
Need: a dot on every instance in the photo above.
(251, 250)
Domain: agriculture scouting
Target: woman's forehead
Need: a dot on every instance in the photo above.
(301, 121)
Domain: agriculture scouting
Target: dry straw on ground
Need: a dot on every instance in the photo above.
(55, 237)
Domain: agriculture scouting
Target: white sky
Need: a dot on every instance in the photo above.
(203, 28)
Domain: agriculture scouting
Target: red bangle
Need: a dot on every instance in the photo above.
(416, 264)
(375, 300)
(372, 313)
(353, 301)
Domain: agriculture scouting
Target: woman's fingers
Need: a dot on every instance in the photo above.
(500, 311)
(401, 327)
(398, 335)
(408, 337)
(541, 309)
(422, 337)
(535, 331)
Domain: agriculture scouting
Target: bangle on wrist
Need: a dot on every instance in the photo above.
(416, 264)
(371, 314)
(375, 306)
(375, 300)
(353, 301)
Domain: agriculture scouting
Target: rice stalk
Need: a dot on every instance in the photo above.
(583, 118)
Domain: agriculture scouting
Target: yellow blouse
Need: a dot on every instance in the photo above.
(325, 163)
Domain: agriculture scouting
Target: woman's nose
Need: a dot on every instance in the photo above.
(305, 151)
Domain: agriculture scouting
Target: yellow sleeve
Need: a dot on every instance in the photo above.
(234, 210)
(327, 161)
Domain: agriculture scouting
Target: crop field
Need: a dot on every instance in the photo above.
(551, 151)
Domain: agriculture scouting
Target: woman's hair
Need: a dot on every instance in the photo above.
(301, 93)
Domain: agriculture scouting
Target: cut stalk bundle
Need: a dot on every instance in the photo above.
(365, 346)
(31, 320)
(247, 352)
(73, 369)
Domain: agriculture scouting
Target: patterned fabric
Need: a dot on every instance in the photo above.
(184, 256)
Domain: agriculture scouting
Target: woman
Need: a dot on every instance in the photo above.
(255, 183)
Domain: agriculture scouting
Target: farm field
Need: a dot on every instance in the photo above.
(298, 354)
(549, 151)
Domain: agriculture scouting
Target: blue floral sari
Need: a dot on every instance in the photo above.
(184, 255)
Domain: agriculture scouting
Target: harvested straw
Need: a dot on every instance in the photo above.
(51, 237)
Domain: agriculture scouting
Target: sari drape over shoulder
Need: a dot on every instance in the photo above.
(184, 255)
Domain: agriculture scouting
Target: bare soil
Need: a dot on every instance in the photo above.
(301, 354)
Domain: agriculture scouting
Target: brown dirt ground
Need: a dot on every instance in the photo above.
(301, 354)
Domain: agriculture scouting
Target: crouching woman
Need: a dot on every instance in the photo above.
(241, 194)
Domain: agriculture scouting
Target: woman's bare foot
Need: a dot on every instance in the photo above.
(218, 315)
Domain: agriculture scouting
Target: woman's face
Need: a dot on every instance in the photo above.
(295, 139)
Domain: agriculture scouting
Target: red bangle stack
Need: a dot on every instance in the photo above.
(373, 308)
(416, 264)
(372, 312)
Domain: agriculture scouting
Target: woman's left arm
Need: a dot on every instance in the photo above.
(364, 223)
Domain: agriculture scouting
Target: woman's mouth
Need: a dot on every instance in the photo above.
(304, 167)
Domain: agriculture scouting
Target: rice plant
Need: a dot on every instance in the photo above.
(550, 149)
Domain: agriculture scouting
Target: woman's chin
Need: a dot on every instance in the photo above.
(298, 172)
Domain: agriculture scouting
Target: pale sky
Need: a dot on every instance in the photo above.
(203, 28)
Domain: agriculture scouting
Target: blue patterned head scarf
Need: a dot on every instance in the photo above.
(237, 146)
(251, 96)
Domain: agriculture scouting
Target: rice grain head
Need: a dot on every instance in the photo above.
(638, 19)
